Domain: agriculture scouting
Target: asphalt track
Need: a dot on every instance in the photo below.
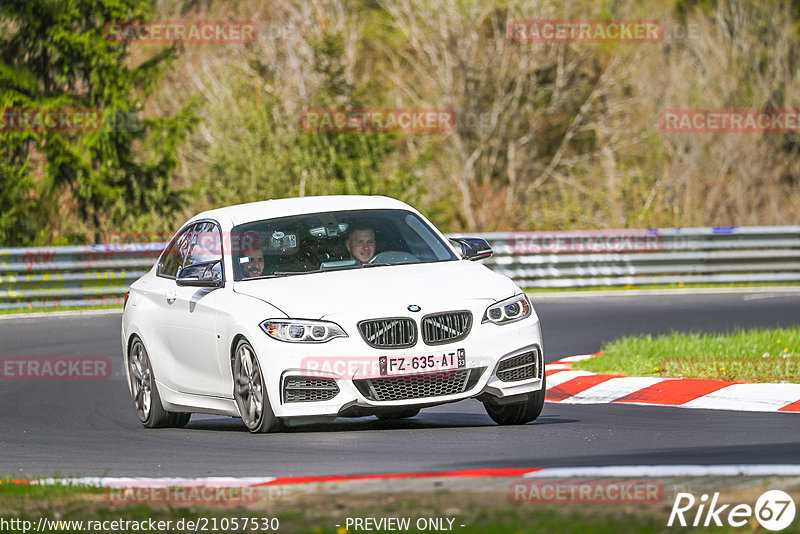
(88, 428)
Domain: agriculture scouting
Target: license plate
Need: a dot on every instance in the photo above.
(404, 365)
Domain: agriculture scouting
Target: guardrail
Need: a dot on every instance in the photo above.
(55, 277)
(647, 257)
(48, 277)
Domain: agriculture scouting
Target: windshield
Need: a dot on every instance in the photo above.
(337, 240)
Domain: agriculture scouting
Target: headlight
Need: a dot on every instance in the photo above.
(507, 311)
(300, 331)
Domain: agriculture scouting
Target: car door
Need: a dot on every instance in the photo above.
(190, 315)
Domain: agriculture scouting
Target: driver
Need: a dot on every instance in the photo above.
(360, 243)
(252, 262)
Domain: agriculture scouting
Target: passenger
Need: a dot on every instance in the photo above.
(360, 243)
(252, 263)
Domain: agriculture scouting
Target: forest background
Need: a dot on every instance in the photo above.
(547, 136)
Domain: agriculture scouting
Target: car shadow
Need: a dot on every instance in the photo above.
(366, 424)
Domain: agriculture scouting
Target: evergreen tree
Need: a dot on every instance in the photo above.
(55, 55)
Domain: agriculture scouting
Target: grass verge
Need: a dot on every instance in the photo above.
(327, 513)
(658, 286)
(764, 355)
(65, 308)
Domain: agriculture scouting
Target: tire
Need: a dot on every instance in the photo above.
(399, 414)
(518, 413)
(144, 391)
(250, 393)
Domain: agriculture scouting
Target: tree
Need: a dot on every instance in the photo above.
(55, 56)
(251, 145)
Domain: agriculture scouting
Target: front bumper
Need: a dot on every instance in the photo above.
(332, 382)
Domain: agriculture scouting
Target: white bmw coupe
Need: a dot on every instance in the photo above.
(290, 310)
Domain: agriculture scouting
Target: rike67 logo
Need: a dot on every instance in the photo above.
(774, 510)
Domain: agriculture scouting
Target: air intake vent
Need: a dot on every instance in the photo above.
(446, 327)
(392, 333)
(303, 389)
(419, 386)
(520, 367)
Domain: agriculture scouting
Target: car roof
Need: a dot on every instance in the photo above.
(284, 207)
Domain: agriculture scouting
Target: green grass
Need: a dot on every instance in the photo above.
(10, 488)
(508, 521)
(321, 513)
(65, 308)
(766, 355)
(659, 286)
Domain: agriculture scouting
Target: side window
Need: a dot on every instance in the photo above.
(174, 256)
(423, 243)
(198, 243)
(205, 244)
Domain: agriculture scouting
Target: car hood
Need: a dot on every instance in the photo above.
(393, 287)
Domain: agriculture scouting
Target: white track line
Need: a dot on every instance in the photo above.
(571, 359)
(60, 314)
(782, 291)
(749, 397)
(650, 471)
(144, 482)
(563, 376)
(735, 397)
(611, 390)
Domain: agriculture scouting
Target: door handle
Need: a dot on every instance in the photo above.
(171, 296)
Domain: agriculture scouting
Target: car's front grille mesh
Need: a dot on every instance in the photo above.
(446, 327)
(393, 333)
(519, 367)
(306, 389)
(417, 386)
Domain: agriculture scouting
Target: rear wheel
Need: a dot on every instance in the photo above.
(518, 413)
(250, 393)
(146, 399)
(399, 414)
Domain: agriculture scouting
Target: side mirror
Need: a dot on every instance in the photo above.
(204, 274)
(473, 248)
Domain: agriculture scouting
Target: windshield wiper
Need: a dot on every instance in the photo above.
(280, 274)
(276, 274)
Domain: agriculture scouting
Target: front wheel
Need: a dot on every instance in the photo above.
(146, 399)
(518, 413)
(250, 393)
